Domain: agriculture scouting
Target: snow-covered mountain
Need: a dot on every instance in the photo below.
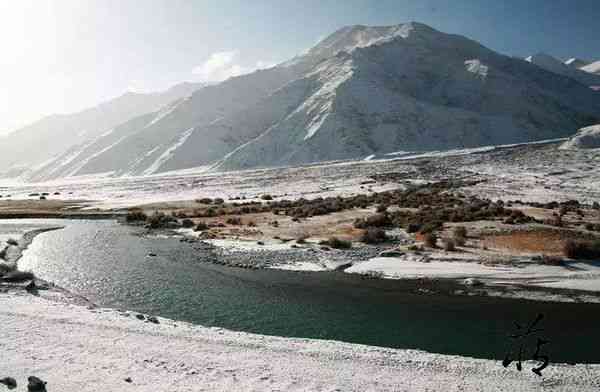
(575, 62)
(36, 144)
(363, 90)
(553, 64)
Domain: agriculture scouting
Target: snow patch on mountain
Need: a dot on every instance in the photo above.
(168, 152)
(476, 67)
(319, 105)
(593, 68)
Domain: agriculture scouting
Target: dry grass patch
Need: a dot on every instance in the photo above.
(539, 241)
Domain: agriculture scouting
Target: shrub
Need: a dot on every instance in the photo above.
(596, 205)
(551, 260)
(205, 200)
(449, 245)
(187, 223)
(382, 208)
(252, 224)
(430, 239)
(413, 227)
(201, 226)
(459, 235)
(460, 232)
(377, 220)
(582, 249)
(266, 197)
(234, 220)
(12, 241)
(218, 200)
(374, 235)
(430, 227)
(18, 276)
(337, 243)
(159, 220)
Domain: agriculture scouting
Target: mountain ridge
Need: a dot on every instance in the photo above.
(362, 90)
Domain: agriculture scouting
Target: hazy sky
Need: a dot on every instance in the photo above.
(64, 55)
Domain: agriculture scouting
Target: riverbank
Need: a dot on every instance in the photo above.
(75, 348)
(13, 281)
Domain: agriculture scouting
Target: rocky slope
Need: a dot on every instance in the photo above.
(361, 91)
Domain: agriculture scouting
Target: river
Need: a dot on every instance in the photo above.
(109, 264)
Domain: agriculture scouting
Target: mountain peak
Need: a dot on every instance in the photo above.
(351, 37)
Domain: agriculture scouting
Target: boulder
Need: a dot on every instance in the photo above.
(35, 384)
(10, 382)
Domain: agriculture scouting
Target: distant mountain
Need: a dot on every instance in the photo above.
(552, 64)
(575, 62)
(361, 91)
(36, 144)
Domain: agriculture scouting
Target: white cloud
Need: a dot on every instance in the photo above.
(224, 65)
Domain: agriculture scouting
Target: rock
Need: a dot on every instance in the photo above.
(129, 380)
(35, 384)
(151, 254)
(472, 282)
(391, 253)
(153, 320)
(140, 317)
(31, 286)
(10, 382)
(259, 243)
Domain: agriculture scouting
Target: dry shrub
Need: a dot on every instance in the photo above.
(136, 215)
(582, 249)
(234, 220)
(201, 226)
(430, 239)
(374, 235)
(187, 223)
(449, 245)
(337, 243)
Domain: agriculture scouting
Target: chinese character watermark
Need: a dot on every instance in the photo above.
(521, 336)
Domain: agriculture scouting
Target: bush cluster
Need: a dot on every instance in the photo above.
(136, 215)
(582, 249)
(160, 220)
(337, 243)
(374, 235)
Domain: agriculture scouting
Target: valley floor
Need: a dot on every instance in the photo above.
(75, 348)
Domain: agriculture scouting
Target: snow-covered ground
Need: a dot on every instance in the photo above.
(74, 348)
(578, 276)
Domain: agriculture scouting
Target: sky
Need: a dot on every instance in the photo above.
(61, 56)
